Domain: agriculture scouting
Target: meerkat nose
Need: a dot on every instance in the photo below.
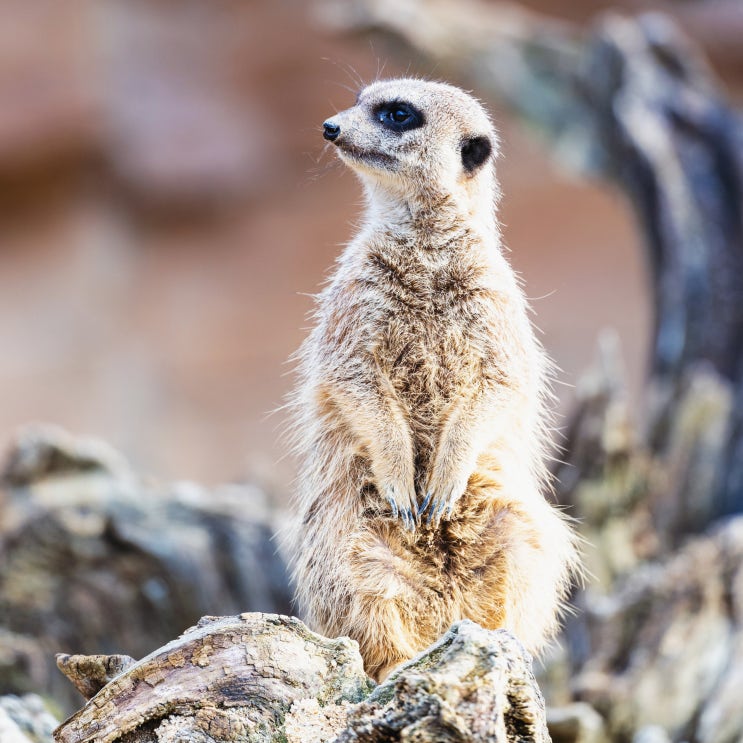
(331, 131)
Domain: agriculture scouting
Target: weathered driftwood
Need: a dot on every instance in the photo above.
(93, 559)
(472, 685)
(635, 502)
(576, 723)
(227, 678)
(90, 673)
(263, 677)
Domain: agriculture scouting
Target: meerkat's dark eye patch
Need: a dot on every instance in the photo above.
(398, 116)
(475, 151)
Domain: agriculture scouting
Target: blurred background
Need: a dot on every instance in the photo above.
(167, 205)
(167, 208)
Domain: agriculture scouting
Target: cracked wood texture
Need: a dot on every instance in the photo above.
(228, 677)
(264, 677)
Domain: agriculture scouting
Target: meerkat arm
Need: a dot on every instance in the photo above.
(381, 426)
(462, 437)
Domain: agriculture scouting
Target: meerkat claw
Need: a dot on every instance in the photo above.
(423, 506)
(428, 517)
(432, 511)
(411, 519)
(450, 503)
(393, 505)
(439, 511)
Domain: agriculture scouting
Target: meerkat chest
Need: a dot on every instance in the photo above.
(434, 333)
(434, 323)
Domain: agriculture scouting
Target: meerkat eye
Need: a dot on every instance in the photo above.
(399, 116)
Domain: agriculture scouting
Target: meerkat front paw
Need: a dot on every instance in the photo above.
(393, 470)
(441, 497)
(398, 488)
(403, 503)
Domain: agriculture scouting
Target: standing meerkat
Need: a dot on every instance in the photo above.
(419, 411)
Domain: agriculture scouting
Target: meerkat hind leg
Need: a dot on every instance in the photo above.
(397, 608)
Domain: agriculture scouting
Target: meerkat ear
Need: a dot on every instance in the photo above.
(475, 151)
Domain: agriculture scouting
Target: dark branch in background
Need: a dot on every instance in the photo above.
(633, 102)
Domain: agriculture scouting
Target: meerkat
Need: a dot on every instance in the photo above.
(420, 405)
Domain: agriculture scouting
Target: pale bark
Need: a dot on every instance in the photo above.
(263, 677)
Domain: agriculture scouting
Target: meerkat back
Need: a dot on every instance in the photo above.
(419, 416)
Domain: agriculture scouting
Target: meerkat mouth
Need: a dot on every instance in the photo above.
(367, 157)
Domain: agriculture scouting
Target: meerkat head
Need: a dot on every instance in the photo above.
(418, 139)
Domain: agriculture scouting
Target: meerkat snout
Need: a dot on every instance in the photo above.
(331, 130)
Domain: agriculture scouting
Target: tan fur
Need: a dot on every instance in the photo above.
(422, 374)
